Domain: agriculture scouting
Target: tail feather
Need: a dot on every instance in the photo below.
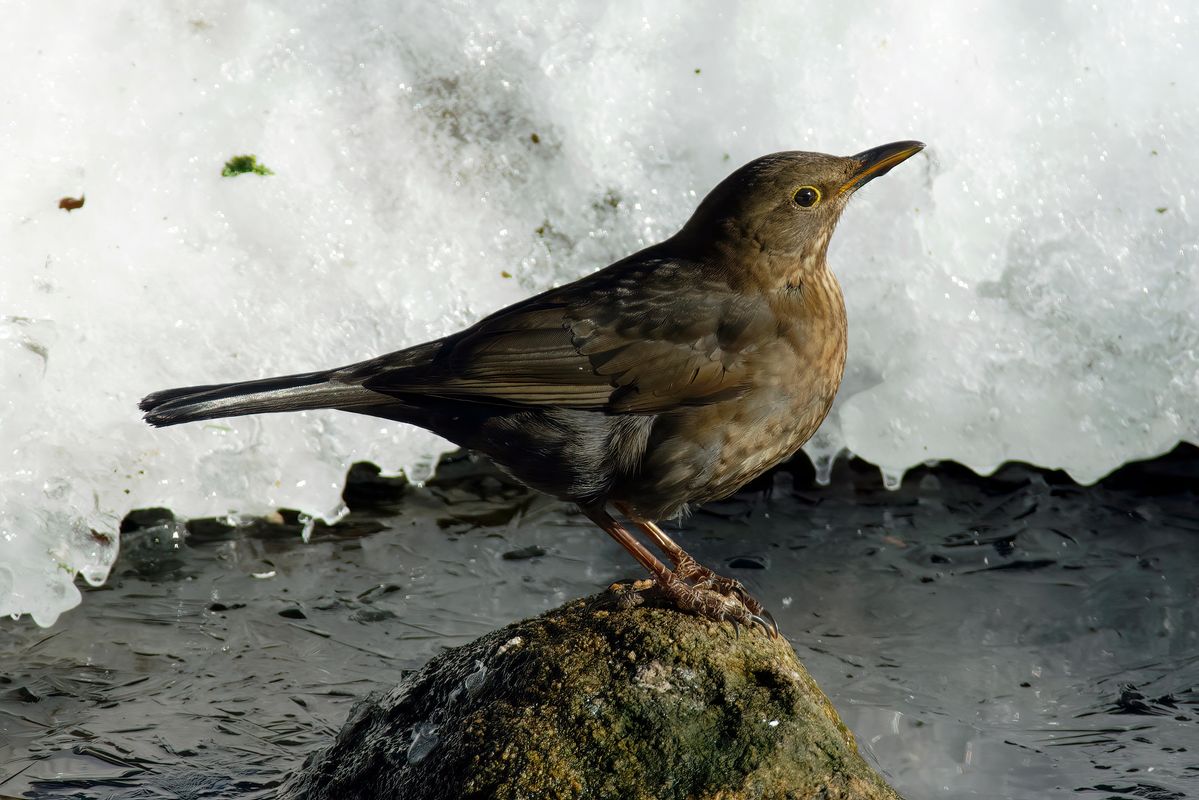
(302, 392)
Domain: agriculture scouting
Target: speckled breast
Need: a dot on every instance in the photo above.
(707, 452)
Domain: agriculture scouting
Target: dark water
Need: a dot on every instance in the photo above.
(1014, 637)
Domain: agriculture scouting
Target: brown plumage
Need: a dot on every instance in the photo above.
(671, 377)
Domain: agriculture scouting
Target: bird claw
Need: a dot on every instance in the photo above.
(706, 599)
(767, 623)
(729, 587)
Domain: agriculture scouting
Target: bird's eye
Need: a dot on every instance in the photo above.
(806, 196)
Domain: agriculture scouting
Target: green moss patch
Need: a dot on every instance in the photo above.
(239, 165)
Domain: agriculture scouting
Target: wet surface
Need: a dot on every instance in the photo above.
(1012, 637)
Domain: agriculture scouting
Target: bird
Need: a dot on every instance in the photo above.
(665, 380)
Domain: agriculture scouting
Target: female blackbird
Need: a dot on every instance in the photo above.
(674, 376)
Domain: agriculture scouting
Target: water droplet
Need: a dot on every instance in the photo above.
(891, 479)
(475, 680)
(824, 469)
(94, 574)
(309, 524)
(424, 739)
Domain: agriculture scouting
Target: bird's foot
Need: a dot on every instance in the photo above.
(705, 599)
(701, 577)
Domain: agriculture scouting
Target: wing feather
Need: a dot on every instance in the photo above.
(642, 336)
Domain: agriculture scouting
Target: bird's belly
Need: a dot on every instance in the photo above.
(759, 447)
(761, 438)
(699, 454)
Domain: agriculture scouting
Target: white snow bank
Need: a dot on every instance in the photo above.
(1024, 290)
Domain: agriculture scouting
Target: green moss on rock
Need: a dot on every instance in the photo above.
(599, 700)
(239, 165)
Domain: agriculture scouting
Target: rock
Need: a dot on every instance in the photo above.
(601, 698)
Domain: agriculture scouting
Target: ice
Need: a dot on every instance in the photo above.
(1023, 290)
(474, 681)
(424, 739)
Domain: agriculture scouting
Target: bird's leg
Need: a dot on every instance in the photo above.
(687, 568)
(685, 565)
(734, 603)
(685, 596)
(639, 551)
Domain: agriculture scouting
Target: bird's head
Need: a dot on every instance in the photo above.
(786, 205)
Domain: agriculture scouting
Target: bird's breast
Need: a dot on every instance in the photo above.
(795, 379)
(704, 452)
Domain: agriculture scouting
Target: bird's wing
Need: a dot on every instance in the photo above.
(640, 338)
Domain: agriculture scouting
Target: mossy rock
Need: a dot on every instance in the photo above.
(599, 699)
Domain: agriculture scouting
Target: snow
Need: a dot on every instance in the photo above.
(1025, 289)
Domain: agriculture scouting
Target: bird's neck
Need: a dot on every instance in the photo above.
(815, 308)
(805, 266)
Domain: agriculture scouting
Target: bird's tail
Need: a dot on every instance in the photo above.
(307, 391)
